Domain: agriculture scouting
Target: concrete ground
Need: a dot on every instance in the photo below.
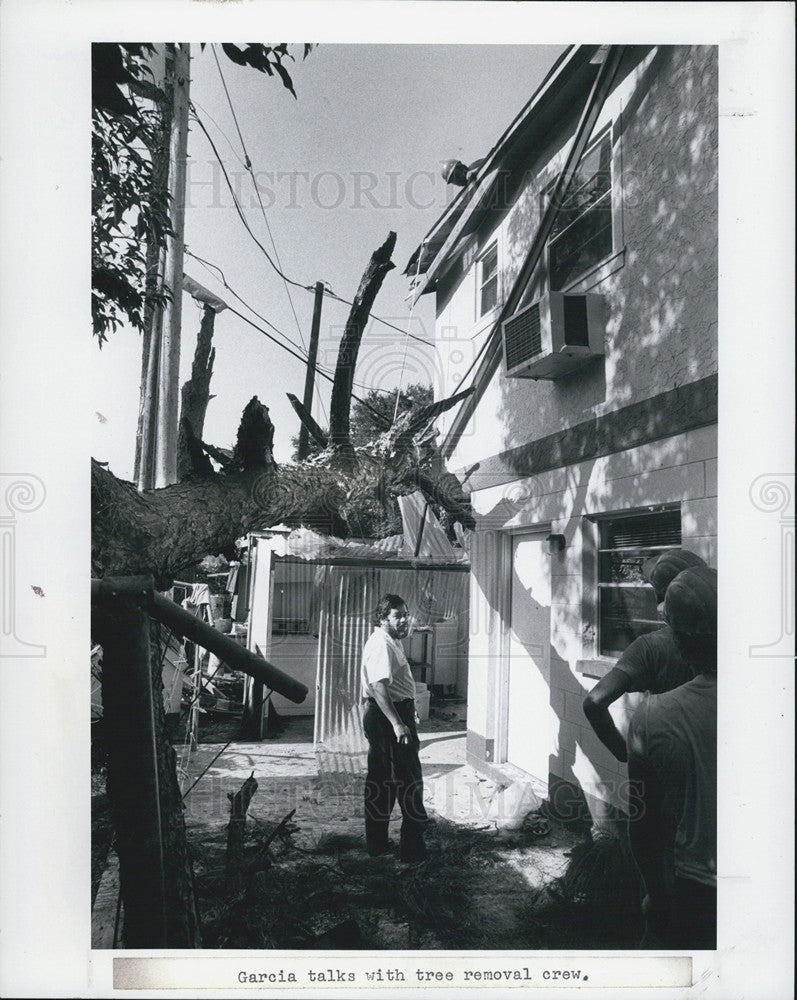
(486, 853)
(330, 805)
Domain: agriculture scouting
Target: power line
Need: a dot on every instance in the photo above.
(231, 290)
(290, 281)
(319, 368)
(303, 359)
(378, 319)
(238, 209)
(248, 166)
(222, 133)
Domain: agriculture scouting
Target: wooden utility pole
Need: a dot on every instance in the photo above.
(144, 473)
(309, 381)
(169, 359)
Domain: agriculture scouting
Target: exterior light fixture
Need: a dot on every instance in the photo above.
(556, 543)
(455, 172)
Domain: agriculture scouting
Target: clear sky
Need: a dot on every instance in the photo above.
(357, 154)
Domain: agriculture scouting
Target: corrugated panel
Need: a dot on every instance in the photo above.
(348, 599)
(417, 516)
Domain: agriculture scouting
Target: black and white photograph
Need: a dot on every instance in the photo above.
(398, 519)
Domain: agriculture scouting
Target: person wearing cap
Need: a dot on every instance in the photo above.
(394, 768)
(652, 662)
(672, 768)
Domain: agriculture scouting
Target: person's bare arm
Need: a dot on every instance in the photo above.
(596, 708)
(383, 700)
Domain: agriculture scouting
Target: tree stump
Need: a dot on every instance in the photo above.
(239, 804)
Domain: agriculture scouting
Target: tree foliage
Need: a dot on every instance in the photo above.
(128, 208)
(130, 212)
(366, 424)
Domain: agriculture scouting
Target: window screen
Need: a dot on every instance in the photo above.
(488, 280)
(292, 608)
(581, 236)
(626, 603)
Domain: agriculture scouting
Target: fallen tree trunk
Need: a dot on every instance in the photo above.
(164, 531)
(167, 530)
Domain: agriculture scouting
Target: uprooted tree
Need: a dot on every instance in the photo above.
(343, 489)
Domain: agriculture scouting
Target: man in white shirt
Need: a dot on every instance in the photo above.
(394, 769)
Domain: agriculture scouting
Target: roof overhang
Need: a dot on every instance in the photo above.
(568, 78)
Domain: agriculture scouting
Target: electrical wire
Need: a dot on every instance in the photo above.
(297, 284)
(378, 319)
(299, 357)
(238, 209)
(206, 264)
(304, 358)
(223, 134)
(248, 166)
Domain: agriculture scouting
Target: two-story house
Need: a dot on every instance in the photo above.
(575, 277)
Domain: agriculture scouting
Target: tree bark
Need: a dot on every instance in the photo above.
(340, 402)
(195, 393)
(164, 531)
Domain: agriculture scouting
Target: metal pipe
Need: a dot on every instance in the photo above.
(185, 624)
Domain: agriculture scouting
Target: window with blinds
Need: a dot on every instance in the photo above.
(626, 603)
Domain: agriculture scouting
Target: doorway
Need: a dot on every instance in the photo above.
(529, 738)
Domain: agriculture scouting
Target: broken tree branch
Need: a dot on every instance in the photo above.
(263, 853)
(239, 804)
(195, 395)
(312, 427)
(340, 402)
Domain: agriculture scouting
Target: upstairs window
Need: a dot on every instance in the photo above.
(581, 236)
(488, 281)
(626, 602)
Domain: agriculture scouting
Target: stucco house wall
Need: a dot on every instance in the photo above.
(633, 430)
(660, 287)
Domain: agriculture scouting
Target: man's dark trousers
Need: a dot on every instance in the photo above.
(394, 773)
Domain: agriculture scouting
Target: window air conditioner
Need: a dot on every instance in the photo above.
(553, 336)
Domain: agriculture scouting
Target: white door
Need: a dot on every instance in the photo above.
(530, 738)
